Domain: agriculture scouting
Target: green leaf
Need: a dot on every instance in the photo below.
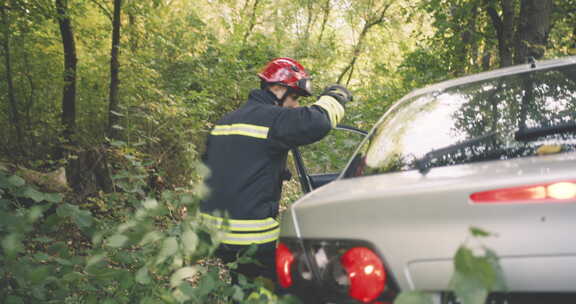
(92, 299)
(15, 181)
(127, 226)
(83, 218)
(464, 260)
(469, 289)
(150, 204)
(478, 232)
(32, 193)
(169, 248)
(66, 210)
(94, 260)
(184, 293)
(142, 276)
(34, 213)
(63, 262)
(43, 239)
(499, 280)
(117, 143)
(186, 199)
(53, 197)
(238, 295)
(190, 241)
(39, 292)
(72, 276)
(475, 276)
(39, 273)
(11, 299)
(41, 256)
(148, 301)
(206, 285)
(117, 241)
(181, 274)
(12, 245)
(97, 238)
(126, 280)
(150, 237)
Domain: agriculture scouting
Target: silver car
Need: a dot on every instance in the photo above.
(494, 150)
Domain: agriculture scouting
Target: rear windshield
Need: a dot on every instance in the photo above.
(502, 118)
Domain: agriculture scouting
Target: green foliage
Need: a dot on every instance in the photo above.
(465, 38)
(476, 275)
(477, 272)
(56, 252)
(423, 67)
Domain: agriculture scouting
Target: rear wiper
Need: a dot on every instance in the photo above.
(423, 163)
(533, 133)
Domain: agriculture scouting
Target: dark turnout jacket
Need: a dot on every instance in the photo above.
(246, 153)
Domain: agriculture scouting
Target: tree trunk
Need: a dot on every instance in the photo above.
(504, 27)
(574, 38)
(133, 32)
(113, 113)
(326, 11)
(310, 20)
(472, 26)
(252, 21)
(378, 19)
(14, 114)
(508, 32)
(533, 28)
(70, 60)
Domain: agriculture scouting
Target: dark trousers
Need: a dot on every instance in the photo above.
(263, 262)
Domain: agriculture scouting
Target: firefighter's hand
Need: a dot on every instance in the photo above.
(339, 92)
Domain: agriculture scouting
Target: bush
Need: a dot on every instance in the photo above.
(56, 252)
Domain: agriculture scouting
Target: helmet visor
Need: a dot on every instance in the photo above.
(305, 86)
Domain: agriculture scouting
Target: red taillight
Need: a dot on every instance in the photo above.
(541, 193)
(366, 273)
(284, 260)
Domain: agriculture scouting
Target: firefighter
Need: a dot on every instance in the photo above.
(246, 153)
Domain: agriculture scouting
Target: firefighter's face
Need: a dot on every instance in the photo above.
(291, 101)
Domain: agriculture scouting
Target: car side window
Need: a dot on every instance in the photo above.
(474, 121)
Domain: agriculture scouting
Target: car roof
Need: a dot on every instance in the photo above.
(517, 69)
(441, 86)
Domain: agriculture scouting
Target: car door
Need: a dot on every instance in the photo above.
(322, 162)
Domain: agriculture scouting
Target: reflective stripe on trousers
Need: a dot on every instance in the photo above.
(245, 232)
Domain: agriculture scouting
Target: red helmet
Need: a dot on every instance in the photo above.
(289, 73)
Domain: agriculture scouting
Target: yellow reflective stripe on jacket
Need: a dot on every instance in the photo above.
(241, 129)
(251, 238)
(244, 232)
(241, 225)
(333, 107)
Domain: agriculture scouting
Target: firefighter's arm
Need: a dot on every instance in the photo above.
(305, 125)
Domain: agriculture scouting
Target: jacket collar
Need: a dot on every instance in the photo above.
(263, 97)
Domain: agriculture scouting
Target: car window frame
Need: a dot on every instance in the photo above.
(306, 179)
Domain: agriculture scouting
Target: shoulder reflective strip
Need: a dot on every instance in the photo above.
(333, 107)
(251, 238)
(241, 129)
(242, 225)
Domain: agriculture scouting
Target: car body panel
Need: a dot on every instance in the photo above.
(428, 217)
(522, 273)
